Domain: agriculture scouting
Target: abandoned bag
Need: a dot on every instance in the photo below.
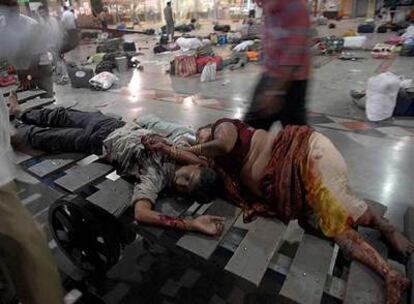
(209, 72)
(164, 39)
(103, 81)
(203, 61)
(382, 29)
(408, 48)
(185, 66)
(129, 47)
(79, 76)
(382, 91)
(222, 28)
(222, 39)
(366, 28)
(105, 66)
(110, 46)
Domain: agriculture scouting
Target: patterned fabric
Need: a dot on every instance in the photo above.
(185, 66)
(287, 40)
(282, 182)
(331, 205)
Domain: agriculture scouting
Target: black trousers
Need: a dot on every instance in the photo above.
(61, 130)
(289, 109)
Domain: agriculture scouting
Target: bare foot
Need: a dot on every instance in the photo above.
(13, 103)
(400, 242)
(396, 284)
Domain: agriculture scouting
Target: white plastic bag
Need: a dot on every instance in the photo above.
(103, 81)
(209, 72)
(382, 92)
(355, 42)
(241, 47)
(187, 44)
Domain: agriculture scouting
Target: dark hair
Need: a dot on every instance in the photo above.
(65, 8)
(208, 187)
(204, 127)
(169, 3)
(12, 3)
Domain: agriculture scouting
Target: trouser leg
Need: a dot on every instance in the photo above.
(288, 107)
(54, 140)
(24, 249)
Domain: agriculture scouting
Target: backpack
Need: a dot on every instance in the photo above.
(129, 47)
(382, 29)
(79, 76)
(366, 28)
(164, 39)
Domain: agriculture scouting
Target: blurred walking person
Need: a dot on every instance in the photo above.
(169, 19)
(281, 91)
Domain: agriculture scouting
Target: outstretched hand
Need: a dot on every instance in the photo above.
(209, 224)
(154, 144)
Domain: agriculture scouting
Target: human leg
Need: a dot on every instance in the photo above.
(264, 110)
(400, 243)
(61, 117)
(54, 140)
(26, 254)
(354, 246)
(294, 111)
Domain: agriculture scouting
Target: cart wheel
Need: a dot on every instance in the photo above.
(7, 288)
(90, 243)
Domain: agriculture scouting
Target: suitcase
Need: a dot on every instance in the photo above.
(129, 47)
(185, 66)
(164, 39)
(203, 61)
(382, 29)
(79, 76)
(366, 28)
(222, 28)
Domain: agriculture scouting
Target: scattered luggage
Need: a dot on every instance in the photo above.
(110, 45)
(164, 39)
(408, 48)
(129, 47)
(203, 61)
(209, 72)
(222, 39)
(79, 76)
(105, 66)
(382, 29)
(185, 66)
(103, 81)
(222, 28)
(366, 28)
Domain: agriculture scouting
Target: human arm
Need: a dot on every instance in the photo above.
(145, 195)
(207, 224)
(223, 142)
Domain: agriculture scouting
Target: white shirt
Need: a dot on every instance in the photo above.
(7, 170)
(68, 20)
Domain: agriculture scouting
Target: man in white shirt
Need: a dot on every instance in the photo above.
(68, 19)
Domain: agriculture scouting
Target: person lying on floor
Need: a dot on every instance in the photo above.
(294, 173)
(61, 130)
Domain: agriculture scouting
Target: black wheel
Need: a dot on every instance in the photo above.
(84, 237)
(7, 289)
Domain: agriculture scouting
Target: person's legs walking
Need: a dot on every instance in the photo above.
(26, 253)
(294, 110)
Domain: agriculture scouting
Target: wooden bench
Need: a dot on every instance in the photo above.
(308, 272)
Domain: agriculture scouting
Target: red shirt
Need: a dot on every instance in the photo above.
(287, 37)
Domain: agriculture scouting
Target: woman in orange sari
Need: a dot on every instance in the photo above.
(295, 173)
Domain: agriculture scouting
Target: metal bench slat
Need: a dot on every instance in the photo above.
(253, 256)
(113, 196)
(203, 245)
(78, 177)
(54, 163)
(306, 279)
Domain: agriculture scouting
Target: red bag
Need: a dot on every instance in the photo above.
(202, 61)
(185, 66)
